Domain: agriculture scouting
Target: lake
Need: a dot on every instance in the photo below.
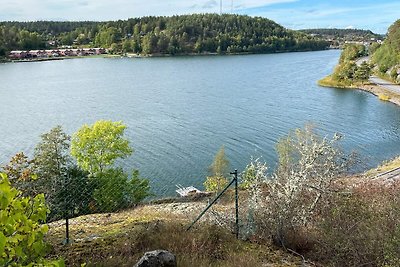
(180, 110)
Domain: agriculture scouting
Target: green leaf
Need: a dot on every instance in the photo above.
(3, 241)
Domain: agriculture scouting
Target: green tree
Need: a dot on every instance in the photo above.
(20, 171)
(21, 228)
(362, 72)
(218, 169)
(114, 190)
(139, 188)
(52, 158)
(96, 147)
(220, 165)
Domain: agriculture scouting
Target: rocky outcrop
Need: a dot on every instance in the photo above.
(157, 258)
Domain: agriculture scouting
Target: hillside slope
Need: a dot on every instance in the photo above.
(197, 33)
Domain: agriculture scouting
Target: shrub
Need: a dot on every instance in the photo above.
(362, 228)
(287, 202)
(21, 228)
(113, 190)
(215, 183)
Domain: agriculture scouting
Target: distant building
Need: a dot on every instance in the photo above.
(17, 54)
(68, 52)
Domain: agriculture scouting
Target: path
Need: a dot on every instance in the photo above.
(394, 88)
(389, 176)
(360, 60)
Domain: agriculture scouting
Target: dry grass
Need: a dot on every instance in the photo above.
(383, 97)
(386, 166)
(120, 239)
(329, 82)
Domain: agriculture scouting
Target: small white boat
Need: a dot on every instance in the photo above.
(185, 191)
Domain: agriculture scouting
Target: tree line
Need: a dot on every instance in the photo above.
(197, 33)
(77, 174)
(387, 56)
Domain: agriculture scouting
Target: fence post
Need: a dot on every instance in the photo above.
(236, 202)
(66, 214)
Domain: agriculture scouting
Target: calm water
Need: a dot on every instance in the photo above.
(179, 111)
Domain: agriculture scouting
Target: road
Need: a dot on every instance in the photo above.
(395, 88)
(389, 176)
(378, 81)
(361, 60)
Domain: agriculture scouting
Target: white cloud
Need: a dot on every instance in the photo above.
(350, 27)
(116, 9)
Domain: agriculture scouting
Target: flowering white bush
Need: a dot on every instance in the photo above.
(288, 199)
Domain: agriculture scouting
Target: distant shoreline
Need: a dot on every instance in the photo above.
(155, 55)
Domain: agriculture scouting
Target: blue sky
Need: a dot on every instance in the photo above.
(376, 15)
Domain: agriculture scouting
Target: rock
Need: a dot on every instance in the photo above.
(157, 258)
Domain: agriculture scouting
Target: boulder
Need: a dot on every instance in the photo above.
(157, 258)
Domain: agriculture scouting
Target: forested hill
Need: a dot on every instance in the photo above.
(340, 36)
(197, 33)
(387, 56)
(343, 33)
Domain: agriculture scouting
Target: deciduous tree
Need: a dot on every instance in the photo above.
(96, 147)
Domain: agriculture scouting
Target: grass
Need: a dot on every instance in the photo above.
(383, 97)
(120, 239)
(384, 167)
(328, 81)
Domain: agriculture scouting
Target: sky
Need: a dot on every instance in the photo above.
(375, 15)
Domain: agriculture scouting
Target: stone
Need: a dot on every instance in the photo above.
(157, 258)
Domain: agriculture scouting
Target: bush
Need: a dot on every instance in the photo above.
(114, 191)
(215, 183)
(362, 228)
(286, 203)
(21, 228)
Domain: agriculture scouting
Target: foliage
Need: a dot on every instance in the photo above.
(114, 191)
(361, 228)
(220, 165)
(138, 188)
(254, 173)
(387, 56)
(308, 166)
(74, 197)
(345, 34)
(197, 33)
(352, 51)
(362, 72)
(97, 146)
(52, 155)
(215, 183)
(20, 172)
(219, 170)
(21, 228)
(51, 159)
(347, 72)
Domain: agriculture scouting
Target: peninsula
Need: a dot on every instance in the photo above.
(372, 67)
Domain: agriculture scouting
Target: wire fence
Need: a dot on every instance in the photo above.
(90, 202)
